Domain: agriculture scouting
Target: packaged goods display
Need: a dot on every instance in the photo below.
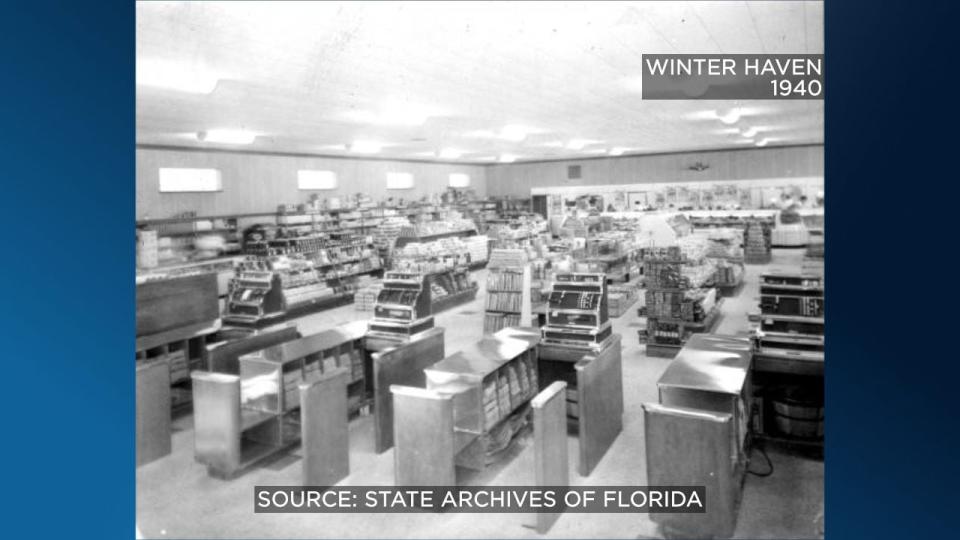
(693, 248)
(507, 258)
(445, 252)
(723, 243)
(676, 303)
(147, 249)
(271, 286)
(790, 334)
(757, 242)
(450, 288)
(436, 228)
(727, 273)
(515, 232)
(508, 290)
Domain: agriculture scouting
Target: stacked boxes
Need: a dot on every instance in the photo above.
(757, 243)
(147, 249)
(366, 297)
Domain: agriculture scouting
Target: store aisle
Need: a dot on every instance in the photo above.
(176, 498)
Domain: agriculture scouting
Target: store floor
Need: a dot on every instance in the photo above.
(177, 499)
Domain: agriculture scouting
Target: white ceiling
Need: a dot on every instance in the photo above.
(314, 77)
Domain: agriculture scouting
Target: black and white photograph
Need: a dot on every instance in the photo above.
(480, 269)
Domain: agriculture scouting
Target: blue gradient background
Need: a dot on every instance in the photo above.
(67, 143)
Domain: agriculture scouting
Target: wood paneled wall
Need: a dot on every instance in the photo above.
(259, 182)
(517, 179)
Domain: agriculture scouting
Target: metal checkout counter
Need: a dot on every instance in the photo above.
(698, 433)
(578, 347)
(244, 417)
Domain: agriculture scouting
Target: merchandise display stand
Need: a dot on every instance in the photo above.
(451, 288)
(594, 394)
(402, 363)
(271, 287)
(153, 411)
(242, 419)
(672, 317)
(508, 290)
(788, 364)
(183, 349)
(757, 243)
(475, 402)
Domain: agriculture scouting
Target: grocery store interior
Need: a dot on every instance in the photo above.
(448, 244)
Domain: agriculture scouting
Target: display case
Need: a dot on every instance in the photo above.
(789, 359)
(577, 312)
(675, 305)
(242, 419)
(403, 306)
(508, 300)
(491, 381)
(175, 317)
(451, 288)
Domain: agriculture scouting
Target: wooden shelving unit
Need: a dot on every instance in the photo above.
(508, 300)
(494, 380)
(241, 420)
(451, 288)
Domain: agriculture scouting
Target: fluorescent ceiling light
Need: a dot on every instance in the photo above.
(393, 112)
(507, 158)
(227, 136)
(513, 133)
(552, 144)
(175, 76)
(365, 147)
(749, 132)
(617, 151)
(579, 144)
(762, 142)
(449, 153)
(729, 117)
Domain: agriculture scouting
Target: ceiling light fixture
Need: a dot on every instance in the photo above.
(514, 133)
(449, 153)
(175, 76)
(227, 136)
(507, 158)
(365, 147)
(749, 132)
(729, 117)
(617, 151)
(762, 142)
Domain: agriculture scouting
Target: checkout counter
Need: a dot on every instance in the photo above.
(698, 432)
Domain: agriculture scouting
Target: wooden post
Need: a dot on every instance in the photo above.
(323, 427)
(551, 463)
